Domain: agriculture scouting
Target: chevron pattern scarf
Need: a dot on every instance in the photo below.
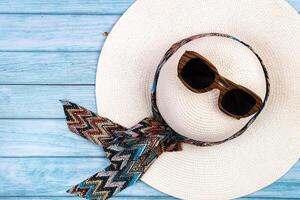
(132, 151)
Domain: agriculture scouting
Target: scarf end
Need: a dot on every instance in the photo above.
(84, 193)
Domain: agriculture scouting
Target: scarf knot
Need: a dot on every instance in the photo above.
(155, 133)
(130, 151)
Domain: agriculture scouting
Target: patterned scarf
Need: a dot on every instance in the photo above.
(132, 151)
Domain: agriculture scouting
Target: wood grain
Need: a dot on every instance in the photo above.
(36, 149)
(53, 176)
(65, 6)
(42, 101)
(27, 167)
(57, 42)
(48, 67)
(38, 176)
(28, 32)
(23, 32)
(75, 6)
(39, 137)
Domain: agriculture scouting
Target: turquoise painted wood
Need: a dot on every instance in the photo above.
(57, 174)
(49, 51)
(74, 6)
(21, 32)
(42, 137)
(86, 7)
(60, 173)
(48, 67)
(42, 101)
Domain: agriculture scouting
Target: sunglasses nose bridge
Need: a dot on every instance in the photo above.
(223, 83)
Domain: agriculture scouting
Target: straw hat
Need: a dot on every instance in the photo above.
(267, 149)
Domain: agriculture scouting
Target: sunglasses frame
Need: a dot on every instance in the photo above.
(221, 83)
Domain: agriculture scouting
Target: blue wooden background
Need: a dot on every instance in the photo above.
(49, 51)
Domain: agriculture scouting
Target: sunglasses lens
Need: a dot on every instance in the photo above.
(197, 74)
(238, 102)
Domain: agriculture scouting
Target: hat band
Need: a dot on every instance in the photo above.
(132, 151)
(172, 50)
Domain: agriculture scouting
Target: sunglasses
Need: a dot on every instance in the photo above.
(199, 75)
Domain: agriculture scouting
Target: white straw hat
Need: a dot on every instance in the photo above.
(267, 149)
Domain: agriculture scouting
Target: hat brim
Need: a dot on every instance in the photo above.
(267, 150)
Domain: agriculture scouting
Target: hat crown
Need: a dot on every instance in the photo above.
(197, 116)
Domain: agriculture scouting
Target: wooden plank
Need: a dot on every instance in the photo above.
(42, 101)
(52, 176)
(43, 138)
(38, 138)
(75, 6)
(277, 189)
(54, 32)
(48, 67)
(65, 6)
